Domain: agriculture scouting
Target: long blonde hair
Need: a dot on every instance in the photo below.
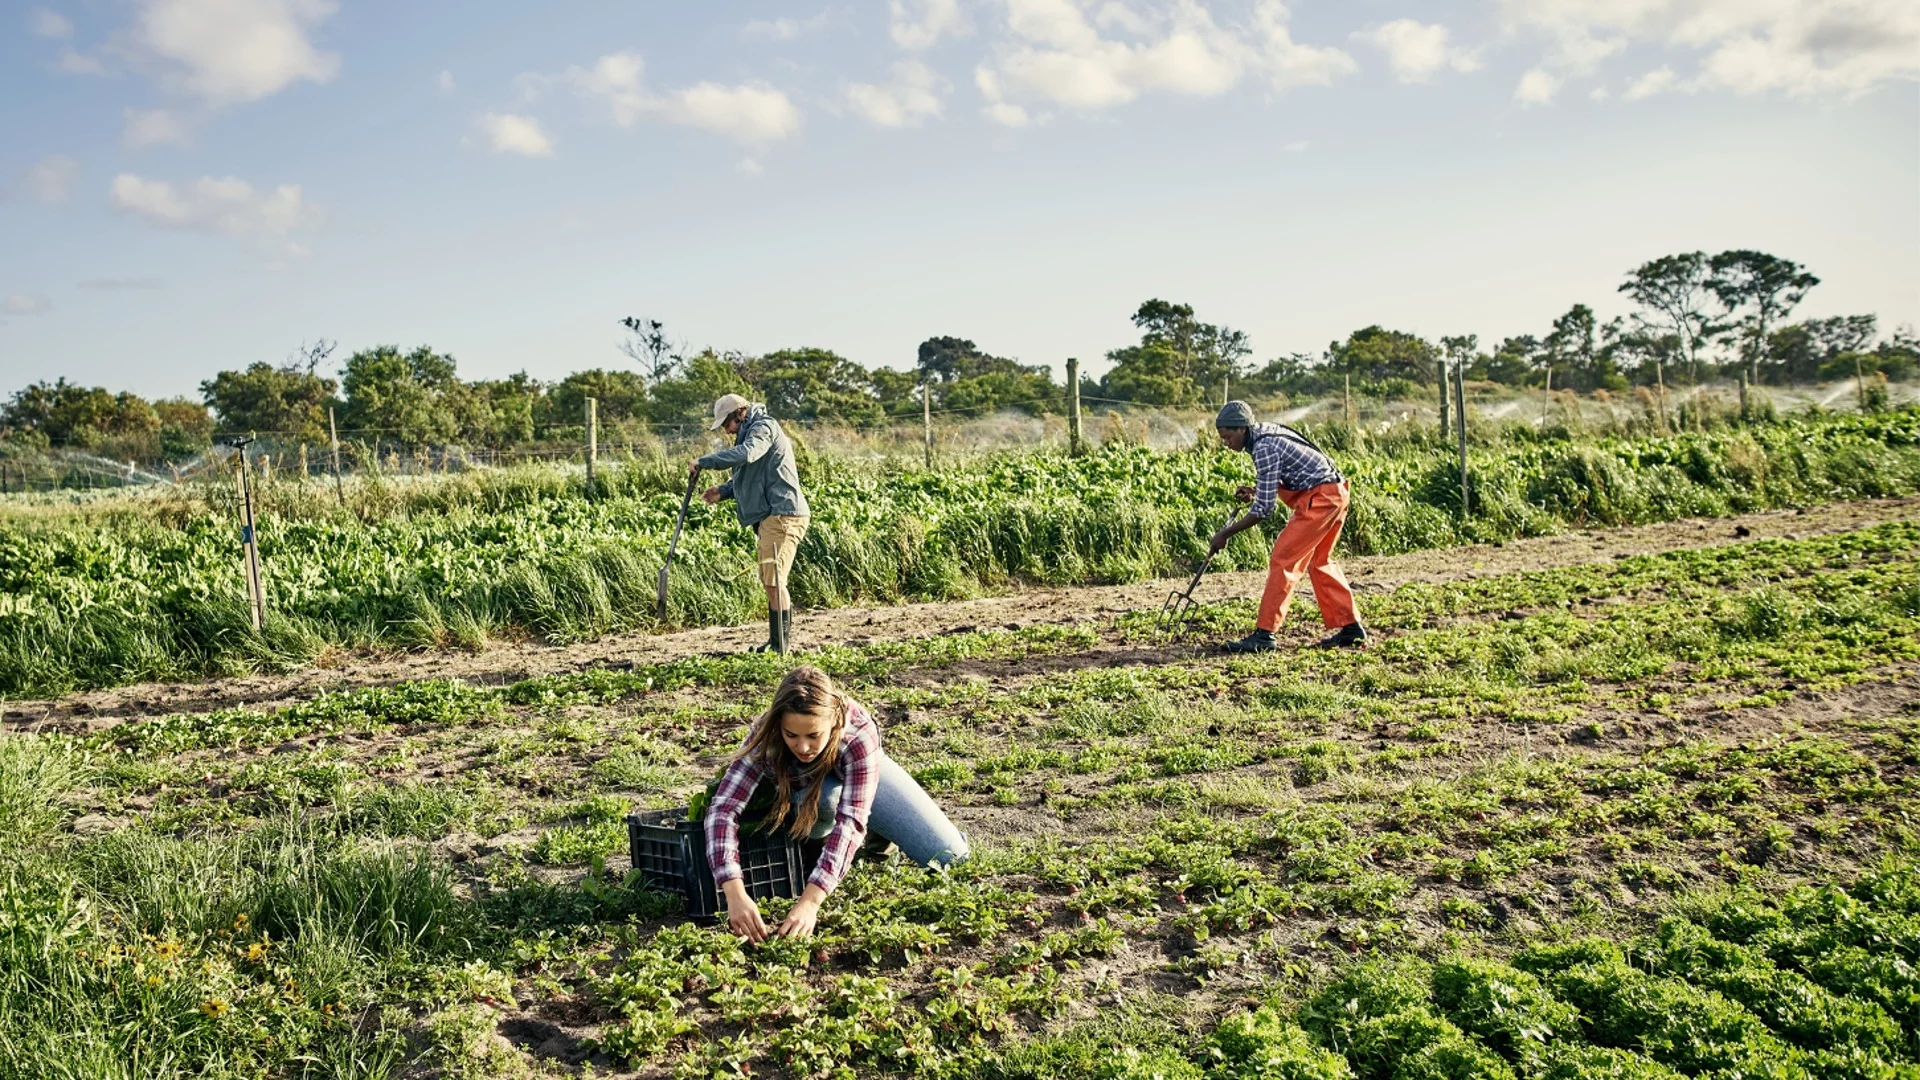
(807, 691)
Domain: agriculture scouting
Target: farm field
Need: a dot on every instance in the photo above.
(1649, 813)
(125, 589)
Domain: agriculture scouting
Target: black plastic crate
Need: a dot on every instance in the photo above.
(671, 854)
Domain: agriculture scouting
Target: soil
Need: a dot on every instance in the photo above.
(507, 662)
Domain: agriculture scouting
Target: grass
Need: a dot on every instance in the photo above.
(112, 592)
(1646, 818)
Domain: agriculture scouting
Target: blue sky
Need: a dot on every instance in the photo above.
(190, 185)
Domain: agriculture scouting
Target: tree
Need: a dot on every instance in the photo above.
(1806, 351)
(702, 380)
(1571, 353)
(815, 384)
(1374, 355)
(1512, 361)
(415, 398)
(286, 400)
(506, 411)
(648, 346)
(1179, 361)
(960, 376)
(621, 395)
(1674, 290)
(186, 427)
(1767, 285)
(83, 417)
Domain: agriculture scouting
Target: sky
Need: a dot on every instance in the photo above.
(193, 185)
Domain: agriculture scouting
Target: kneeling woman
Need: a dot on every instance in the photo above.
(821, 750)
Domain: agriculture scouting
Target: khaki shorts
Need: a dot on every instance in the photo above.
(779, 537)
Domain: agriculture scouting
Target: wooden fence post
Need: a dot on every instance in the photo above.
(333, 433)
(1074, 445)
(593, 440)
(926, 413)
(1446, 390)
(1460, 421)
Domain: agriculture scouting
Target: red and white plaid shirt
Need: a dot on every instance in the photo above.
(859, 776)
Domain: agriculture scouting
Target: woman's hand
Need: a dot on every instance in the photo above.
(806, 911)
(711, 496)
(743, 915)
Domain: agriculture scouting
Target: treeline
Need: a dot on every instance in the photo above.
(1697, 318)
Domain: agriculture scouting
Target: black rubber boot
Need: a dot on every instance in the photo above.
(776, 635)
(786, 630)
(1258, 641)
(1346, 637)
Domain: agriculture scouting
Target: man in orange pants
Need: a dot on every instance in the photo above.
(1287, 468)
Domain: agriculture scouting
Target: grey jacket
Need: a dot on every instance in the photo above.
(765, 482)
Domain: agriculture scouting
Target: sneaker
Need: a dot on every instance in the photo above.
(1346, 637)
(1258, 641)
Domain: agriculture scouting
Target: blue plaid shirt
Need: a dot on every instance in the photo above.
(1282, 460)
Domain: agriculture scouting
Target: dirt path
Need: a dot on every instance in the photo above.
(858, 626)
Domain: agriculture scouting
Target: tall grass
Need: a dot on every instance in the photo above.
(121, 592)
(142, 955)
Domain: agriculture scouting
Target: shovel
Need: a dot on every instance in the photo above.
(1179, 605)
(660, 593)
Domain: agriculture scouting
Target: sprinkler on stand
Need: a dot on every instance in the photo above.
(257, 600)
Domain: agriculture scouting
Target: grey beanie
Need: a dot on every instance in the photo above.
(1234, 414)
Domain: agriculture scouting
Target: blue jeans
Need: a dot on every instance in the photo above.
(902, 812)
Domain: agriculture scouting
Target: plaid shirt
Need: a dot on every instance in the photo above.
(1282, 460)
(859, 749)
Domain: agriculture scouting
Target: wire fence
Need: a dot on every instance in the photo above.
(984, 426)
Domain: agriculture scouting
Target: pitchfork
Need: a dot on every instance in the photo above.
(1178, 609)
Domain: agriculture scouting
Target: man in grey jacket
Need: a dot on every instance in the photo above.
(765, 490)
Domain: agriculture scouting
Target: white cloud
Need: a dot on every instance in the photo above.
(750, 167)
(25, 304)
(50, 24)
(1058, 55)
(920, 24)
(1289, 63)
(50, 180)
(1416, 51)
(1657, 81)
(226, 206)
(1536, 87)
(153, 127)
(1006, 115)
(1055, 52)
(1296, 147)
(73, 63)
(1795, 47)
(510, 134)
(747, 112)
(914, 94)
(445, 82)
(230, 51)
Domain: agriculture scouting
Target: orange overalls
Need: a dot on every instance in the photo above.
(1305, 546)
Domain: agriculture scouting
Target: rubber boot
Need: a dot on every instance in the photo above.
(1347, 637)
(1257, 642)
(786, 630)
(777, 630)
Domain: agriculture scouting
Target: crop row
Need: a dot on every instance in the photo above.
(113, 596)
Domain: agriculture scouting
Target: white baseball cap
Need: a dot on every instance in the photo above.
(725, 407)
